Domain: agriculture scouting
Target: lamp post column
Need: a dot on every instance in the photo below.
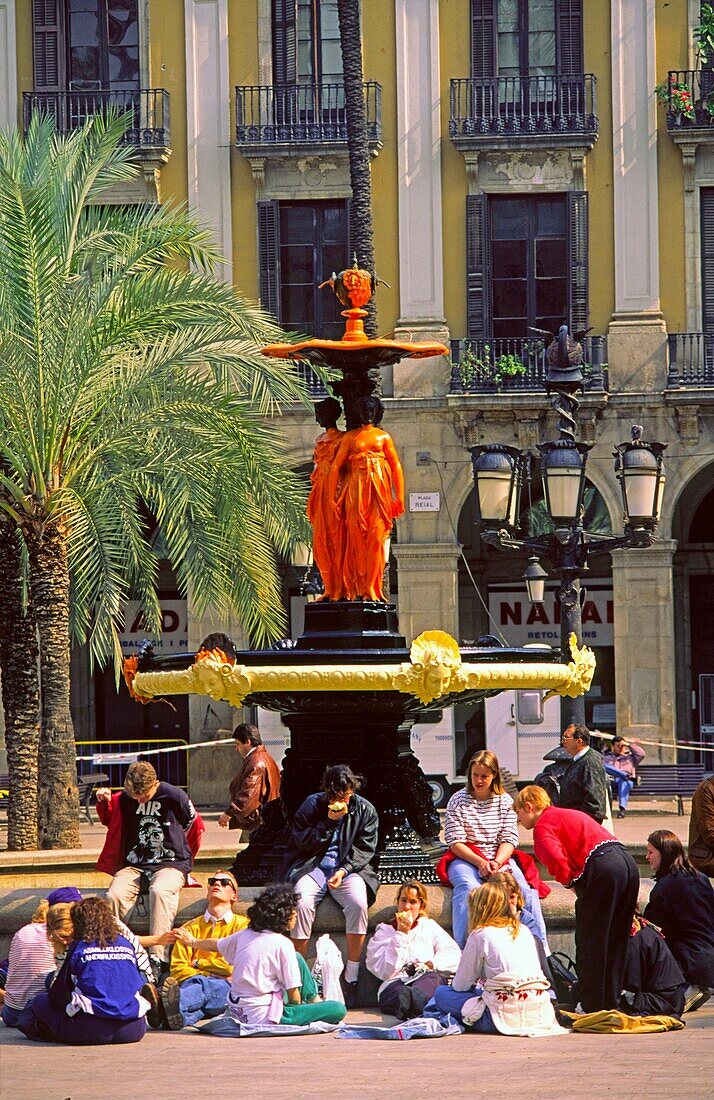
(571, 710)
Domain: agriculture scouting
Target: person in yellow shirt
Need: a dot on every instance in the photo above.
(199, 982)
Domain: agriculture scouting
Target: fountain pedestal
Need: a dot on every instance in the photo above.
(369, 730)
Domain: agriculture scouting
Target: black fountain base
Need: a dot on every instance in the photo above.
(369, 730)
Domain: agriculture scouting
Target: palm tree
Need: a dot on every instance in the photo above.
(348, 12)
(20, 692)
(130, 384)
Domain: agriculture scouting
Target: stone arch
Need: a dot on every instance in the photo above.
(686, 483)
(693, 594)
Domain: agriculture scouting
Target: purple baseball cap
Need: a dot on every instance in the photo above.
(64, 893)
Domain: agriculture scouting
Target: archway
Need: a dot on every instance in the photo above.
(693, 528)
(492, 600)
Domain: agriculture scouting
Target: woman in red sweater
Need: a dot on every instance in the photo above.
(586, 858)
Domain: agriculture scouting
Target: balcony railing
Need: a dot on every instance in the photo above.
(306, 114)
(689, 99)
(315, 386)
(533, 105)
(517, 365)
(691, 359)
(149, 108)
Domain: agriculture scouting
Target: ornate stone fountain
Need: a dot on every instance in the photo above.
(349, 689)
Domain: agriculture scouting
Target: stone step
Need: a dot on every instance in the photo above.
(18, 904)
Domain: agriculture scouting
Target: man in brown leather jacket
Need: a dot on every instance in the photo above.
(701, 828)
(257, 782)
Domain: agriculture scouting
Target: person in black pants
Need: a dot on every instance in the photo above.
(654, 984)
(587, 859)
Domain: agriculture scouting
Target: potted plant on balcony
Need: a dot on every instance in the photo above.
(677, 98)
(485, 369)
(703, 34)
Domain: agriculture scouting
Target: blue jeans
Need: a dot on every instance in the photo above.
(10, 1015)
(623, 783)
(464, 877)
(202, 997)
(450, 1000)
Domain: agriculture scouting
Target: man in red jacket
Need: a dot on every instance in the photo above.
(148, 823)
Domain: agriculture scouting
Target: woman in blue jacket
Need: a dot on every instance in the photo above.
(95, 998)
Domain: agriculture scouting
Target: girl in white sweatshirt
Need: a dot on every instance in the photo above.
(499, 985)
(411, 954)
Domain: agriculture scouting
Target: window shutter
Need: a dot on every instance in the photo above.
(284, 41)
(707, 235)
(578, 254)
(48, 45)
(569, 22)
(483, 38)
(269, 255)
(478, 268)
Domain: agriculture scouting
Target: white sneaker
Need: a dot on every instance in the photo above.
(695, 996)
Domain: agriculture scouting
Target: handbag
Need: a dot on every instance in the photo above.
(563, 977)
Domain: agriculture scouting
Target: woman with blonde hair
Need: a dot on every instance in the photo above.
(481, 832)
(499, 986)
(586, 858)
(31, 960)
(411, 954)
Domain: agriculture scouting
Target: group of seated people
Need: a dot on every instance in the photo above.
(76, 974)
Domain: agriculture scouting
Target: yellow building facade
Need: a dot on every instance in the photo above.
(523, 174)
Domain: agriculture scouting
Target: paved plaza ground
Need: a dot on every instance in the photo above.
(189, 1066)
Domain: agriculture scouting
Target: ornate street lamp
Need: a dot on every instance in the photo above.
(307, 573)
(562, 464)
(498, 478)
(498, 475)
(639, 467)
(535, 577)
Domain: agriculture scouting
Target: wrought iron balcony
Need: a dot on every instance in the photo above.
(540, 109)
(517, 365)
(301, 114)
(315, 386)
(688, 96)
(148, 107)
(691, 360)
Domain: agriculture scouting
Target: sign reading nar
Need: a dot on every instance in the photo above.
(173, 637)
(521, 622)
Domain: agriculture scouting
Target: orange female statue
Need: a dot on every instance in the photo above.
(371, 497)
(328, 534)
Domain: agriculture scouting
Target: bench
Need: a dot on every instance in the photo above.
(668, 781)
(86, 784)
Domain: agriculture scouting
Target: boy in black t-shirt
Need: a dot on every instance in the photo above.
(155, 818)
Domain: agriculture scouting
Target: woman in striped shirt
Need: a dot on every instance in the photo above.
(31, 960)
(482, 833)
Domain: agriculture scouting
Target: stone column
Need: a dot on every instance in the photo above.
(644, 646)
(8, 66)
(428, 587)
(421, 307)
(208, 131)
(637, 336)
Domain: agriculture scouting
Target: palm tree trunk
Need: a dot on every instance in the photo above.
(20, 695)
(58, 797)
(348, 12)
